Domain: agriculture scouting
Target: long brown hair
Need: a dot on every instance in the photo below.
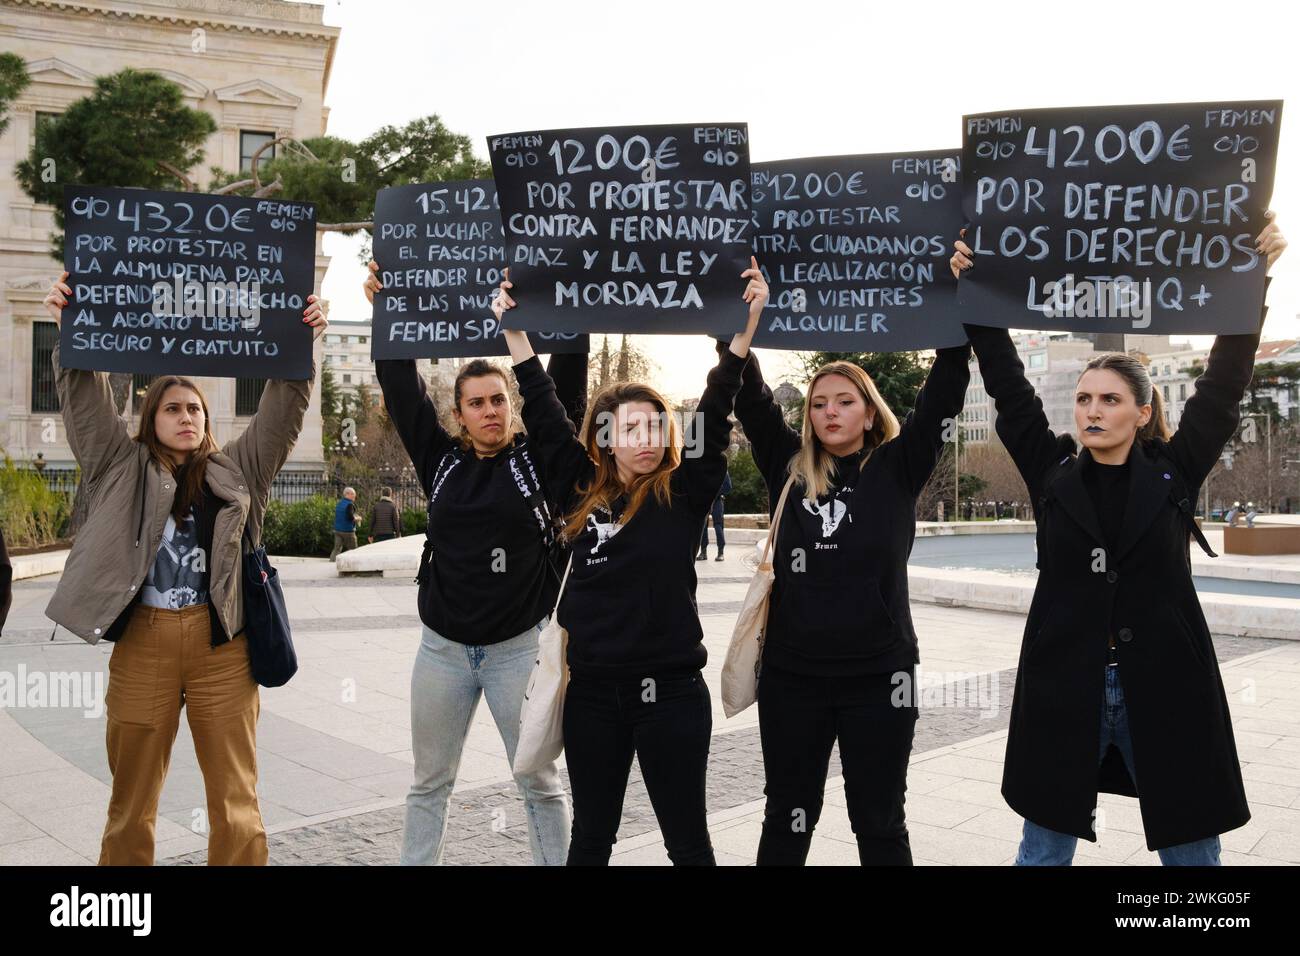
(1135, 375)
(605, 485)
(189, 476)
(814, 466)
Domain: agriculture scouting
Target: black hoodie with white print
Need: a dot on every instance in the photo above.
(839, 605)
(629, 605)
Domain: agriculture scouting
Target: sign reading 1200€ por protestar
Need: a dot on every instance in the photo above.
(187, 283)
(627, 228)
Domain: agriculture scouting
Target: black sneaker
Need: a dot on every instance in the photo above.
(719, 557)
(702, 556)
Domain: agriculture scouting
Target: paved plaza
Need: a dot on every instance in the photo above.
(334, 749)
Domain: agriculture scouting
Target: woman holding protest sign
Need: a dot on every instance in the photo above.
(1114, 529)
(634, 504)
(157, 568)
(840, 652)
(488, 583)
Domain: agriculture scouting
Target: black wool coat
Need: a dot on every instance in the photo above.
(1188, 779)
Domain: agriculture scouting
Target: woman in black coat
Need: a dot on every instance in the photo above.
(1118, 689)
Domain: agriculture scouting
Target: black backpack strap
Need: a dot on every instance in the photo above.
(1182, 501)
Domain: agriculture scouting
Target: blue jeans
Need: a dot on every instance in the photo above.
(1040, 846)
(446, 683)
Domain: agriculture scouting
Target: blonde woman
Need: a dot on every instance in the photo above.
(840, 651)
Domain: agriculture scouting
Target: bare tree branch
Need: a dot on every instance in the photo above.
(343, 226)
(169, 168)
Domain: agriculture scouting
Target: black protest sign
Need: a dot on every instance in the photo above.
(187, 283)
(440, 256)
(856, 249)
(1119, 218)
(626, 229)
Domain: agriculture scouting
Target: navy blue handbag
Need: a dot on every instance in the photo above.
(266, 620)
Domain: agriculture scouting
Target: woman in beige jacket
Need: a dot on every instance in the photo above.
(157, 568)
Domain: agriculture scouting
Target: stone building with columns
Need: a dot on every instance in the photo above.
(261, 68)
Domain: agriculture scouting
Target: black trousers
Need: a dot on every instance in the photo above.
(667, 722)
(718, 520)
(799, 719)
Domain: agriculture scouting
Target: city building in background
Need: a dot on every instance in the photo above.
(261, 71)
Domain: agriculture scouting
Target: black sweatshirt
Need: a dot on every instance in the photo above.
(839, 604)
(629, 605)
(486, 574)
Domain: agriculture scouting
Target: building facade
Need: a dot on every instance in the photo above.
(259, 67)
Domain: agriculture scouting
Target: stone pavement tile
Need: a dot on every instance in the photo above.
(478, 768)
(1249, 739)
(50, 789)
(998, 822)
(1277, 795)
(1243, 839)
(1119, 813)
(307, 792)
(1278, 757)
(1275, 845)
(15, 828)
(25, 757)
(978, 792)
(80, 828)
(1269, 726)
(937, 812)
(990, 750)
(959, 846)
(1113, 846)
(189, 843)
(340, 760)
(393, 783)
(42, 851)
(1228, 858)
(1268, 773)
(956, 765)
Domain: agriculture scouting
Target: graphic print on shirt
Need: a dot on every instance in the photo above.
(604, 529)
(176, 578)
(831, 511)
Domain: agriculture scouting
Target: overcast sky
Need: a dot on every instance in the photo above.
(812, 78)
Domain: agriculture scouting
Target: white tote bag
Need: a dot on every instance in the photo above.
(541, 716)
(745, 653)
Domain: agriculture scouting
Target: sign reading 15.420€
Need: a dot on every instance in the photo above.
(187, 283)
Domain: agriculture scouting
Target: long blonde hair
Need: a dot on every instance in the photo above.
(605, 486)
(813, 466)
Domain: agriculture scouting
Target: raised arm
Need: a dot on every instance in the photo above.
(1021, 422)
(264, 446)
(407, 401)
(704, 458)
(562, 457)
(569, 373)
(1212, 414)
(96, 433)
(932, 419)
(773, 441)
(413, 414)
